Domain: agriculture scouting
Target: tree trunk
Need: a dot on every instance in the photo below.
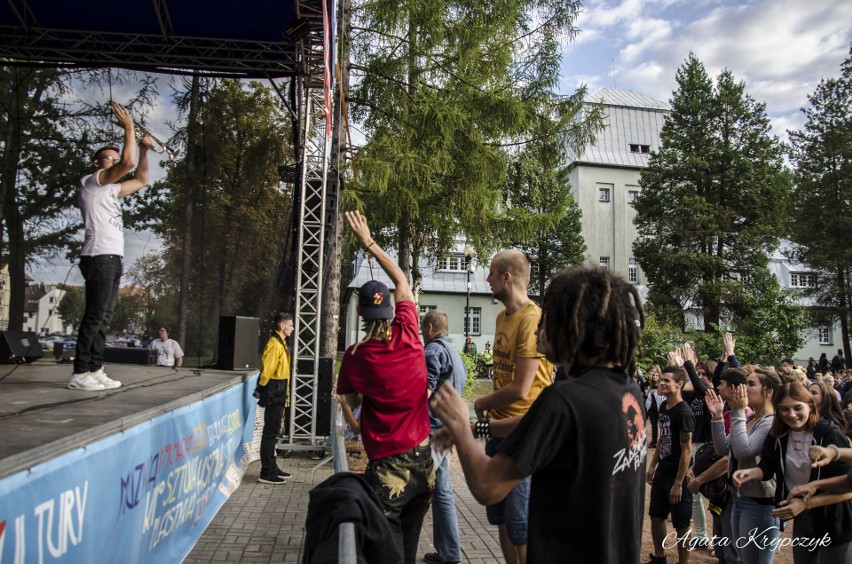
(330, 314)
(188, 203)
(17, 263)
(844, 313)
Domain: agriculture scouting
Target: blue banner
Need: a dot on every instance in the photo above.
(143, 495)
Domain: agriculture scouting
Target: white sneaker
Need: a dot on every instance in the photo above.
(101, 377)
(85, 381)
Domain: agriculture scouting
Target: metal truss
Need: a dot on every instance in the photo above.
(150, 41)
(304, 389)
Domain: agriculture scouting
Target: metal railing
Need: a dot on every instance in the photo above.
(346, 548)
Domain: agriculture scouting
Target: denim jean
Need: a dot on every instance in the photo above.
(404, 483)
(445, 526)
(276, 396)
(699, 516)
(513, 511)
(726, 552)
(102, 274)
(754, 530)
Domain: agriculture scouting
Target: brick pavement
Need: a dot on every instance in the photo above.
(263, 523)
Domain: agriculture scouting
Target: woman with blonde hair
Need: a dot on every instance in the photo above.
(822, 524)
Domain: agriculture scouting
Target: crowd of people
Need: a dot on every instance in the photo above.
(565, 459)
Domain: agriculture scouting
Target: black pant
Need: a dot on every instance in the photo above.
(276, 396)
(404, 483)
(102, 274)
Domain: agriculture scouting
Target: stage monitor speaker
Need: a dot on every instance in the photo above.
(238, 342)
(19, 346)
(323, 388)
(128, 355)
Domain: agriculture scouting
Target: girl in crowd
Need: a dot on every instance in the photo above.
(652, 403)
(753, 502)
(796, 427)
(812, 368)
(827, 404)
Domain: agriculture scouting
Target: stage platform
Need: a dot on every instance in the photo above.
(41, 418)
(110, 476)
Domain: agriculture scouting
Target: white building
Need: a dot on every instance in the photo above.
(45, 319)
(444, 287)
(605, 181)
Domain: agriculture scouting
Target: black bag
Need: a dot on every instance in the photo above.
(718, 490)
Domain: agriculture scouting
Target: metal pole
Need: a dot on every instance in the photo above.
(467, 304)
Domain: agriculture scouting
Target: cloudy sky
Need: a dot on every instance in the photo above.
(781, 49)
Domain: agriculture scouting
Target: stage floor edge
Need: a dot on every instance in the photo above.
(40, 418)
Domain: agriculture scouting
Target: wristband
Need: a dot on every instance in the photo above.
(836, 451)
(482, 429)
(373, 242)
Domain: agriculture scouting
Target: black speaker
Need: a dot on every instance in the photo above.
(322, 417)
(19, 346)
(128, 355)
(238, 338)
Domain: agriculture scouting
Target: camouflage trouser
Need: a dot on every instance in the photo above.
(404, 484)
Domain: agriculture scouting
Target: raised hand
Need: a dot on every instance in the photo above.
(739, 398)
(358, 223)
(714, 404)
(676, 358)
(689, 354)
(122, 116)
(728, 345)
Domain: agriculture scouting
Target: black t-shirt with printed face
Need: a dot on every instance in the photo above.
(583, 442)
(673, 421)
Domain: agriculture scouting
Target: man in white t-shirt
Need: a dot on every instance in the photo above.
(103, 247)
(168, 350)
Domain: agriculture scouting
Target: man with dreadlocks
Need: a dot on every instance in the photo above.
(388, 369)
(583, 440)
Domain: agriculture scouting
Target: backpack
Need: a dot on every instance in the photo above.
(718, 490)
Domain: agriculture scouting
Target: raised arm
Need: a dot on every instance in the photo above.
(743, 444)
(358, 224)
(123, 167)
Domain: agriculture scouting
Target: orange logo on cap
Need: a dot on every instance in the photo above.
(378, 298)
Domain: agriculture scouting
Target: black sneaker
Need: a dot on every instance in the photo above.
(657, 559)
(282, 474)
(273, 480)
(435, 558)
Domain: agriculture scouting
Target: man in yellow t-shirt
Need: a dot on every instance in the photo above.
(272, 392)
(520, 374)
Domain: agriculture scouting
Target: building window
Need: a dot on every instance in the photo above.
(636, 148)
(733, 276)
(824, 335)
(452, 263)
(475, 325)
(424, 309)
(632, 195)
(632, 271)
(603, 194)
(604, 262)
(802, 280)
(51, 299)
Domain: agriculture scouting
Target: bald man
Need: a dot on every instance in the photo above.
(520, 374)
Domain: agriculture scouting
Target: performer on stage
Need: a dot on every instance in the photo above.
(103, 247)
